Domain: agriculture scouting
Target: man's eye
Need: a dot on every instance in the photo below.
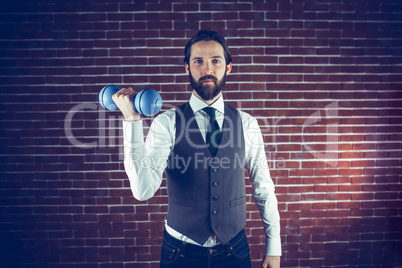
(198, 61)
(216, 61)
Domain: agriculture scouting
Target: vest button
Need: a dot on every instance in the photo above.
(214, 212)
(215, 198)
(215, 184)
(214, 170)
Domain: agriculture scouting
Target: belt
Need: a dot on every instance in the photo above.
(191, 249)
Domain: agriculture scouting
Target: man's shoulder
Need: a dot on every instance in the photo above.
(166, 116)
(248, 121)
(170, 114)
(244, 115)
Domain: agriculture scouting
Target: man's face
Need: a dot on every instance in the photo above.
(207, 69)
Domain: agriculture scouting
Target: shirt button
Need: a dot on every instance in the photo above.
(215, 198)
(214, 212)
(214, 170)
(211, 251)
(215, 184)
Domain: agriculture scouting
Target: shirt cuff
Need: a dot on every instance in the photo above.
(133, 134)
(273, 247)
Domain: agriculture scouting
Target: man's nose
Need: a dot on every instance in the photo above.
(208, 68)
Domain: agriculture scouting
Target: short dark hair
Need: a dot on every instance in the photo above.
(207, 36)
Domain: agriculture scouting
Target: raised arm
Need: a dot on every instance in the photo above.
(144, 161)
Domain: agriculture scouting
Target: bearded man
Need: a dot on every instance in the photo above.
(205, 146)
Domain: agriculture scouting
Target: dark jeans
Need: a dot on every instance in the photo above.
(178, 254)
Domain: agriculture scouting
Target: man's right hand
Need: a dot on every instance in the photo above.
(124, 100)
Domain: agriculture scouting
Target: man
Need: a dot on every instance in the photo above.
(204, 152)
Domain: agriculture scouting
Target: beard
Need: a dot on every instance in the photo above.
(208, 91)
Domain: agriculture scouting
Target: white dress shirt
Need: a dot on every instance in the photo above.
(145, 163)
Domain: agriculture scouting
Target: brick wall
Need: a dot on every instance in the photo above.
(323, 77)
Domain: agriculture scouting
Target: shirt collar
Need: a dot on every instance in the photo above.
(196, 104)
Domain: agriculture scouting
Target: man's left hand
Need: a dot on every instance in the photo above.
(271, 262)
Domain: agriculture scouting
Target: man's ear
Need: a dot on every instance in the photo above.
(228, 68)
(187, 68)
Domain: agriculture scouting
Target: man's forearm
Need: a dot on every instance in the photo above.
(271, 223)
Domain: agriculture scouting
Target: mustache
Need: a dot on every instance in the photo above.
(208, 77)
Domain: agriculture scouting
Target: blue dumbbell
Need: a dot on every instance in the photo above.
(147, 102)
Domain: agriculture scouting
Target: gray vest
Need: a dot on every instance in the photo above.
(206, 195)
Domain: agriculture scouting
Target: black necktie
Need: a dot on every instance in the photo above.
(213, 136)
